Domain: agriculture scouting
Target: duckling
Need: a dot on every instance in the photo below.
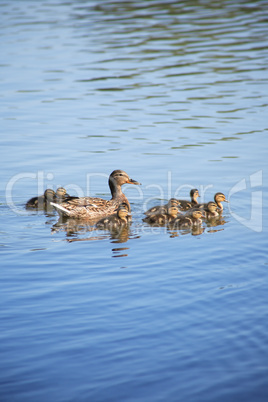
(121, 218)
(61, 194)
(93, 207)
(162, 217)
(191, 219)
(210, 210)
(218, 198)
(42, 201)
(162, 209)
(185, 205)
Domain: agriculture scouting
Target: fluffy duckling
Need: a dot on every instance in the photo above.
(210, 210)
(162, 209)
(162, 217)
(218, 198)
(61, 194)
(117, 220)
(185, 205)
(191, 219)
(42, 201)
(93, 208)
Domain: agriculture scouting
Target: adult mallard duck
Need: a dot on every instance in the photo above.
(210, 210)
(191, 219)
(42, 201)
(163, 208)
(218, 198)
(116, 221)
(93, 207)
(185, 205)
(161, 217)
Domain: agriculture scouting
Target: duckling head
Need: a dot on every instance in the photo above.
(219, 197)
(49, 194)
(123, 211)
(173, 202)
(124, 205)
(197, 214)
(212, 206)
(60, 192)
(173, 211)
(194, 194)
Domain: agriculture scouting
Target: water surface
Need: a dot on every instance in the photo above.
(174, 93)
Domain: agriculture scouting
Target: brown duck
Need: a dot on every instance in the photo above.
(163, 208)
(210, 210)
(42, 201)
(218, 198)
(93, 207)
(185, 205)
(162, 217)
(116, 221)
(191, 219)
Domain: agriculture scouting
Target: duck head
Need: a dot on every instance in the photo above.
(49, 194)
(123, 211)
(119, 177)
(61, 192)
(173, 211)
(197, 214)
(194, 194)
(212, 206)
(219, 197)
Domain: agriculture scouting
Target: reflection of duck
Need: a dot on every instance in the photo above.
(115, 221)
(218, 198)
(42, 201)
(185, 205)
(192, 218)
(163, 208)
(94, 208)
(210, 210)
(162, 217)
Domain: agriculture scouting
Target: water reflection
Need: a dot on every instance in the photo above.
(75, 229)
(117, 252)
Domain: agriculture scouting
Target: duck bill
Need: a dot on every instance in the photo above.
(226, 201)
(131, 181)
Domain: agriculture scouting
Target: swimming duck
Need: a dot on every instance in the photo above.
(163, 208)
(61, 194)
(93, 207)
(218, 198)
(42, 201)
(210, 210)
(121, 218)
(191, 219)
(161, 217)
(185, 205)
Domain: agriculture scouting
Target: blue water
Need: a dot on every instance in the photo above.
(175, 94)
